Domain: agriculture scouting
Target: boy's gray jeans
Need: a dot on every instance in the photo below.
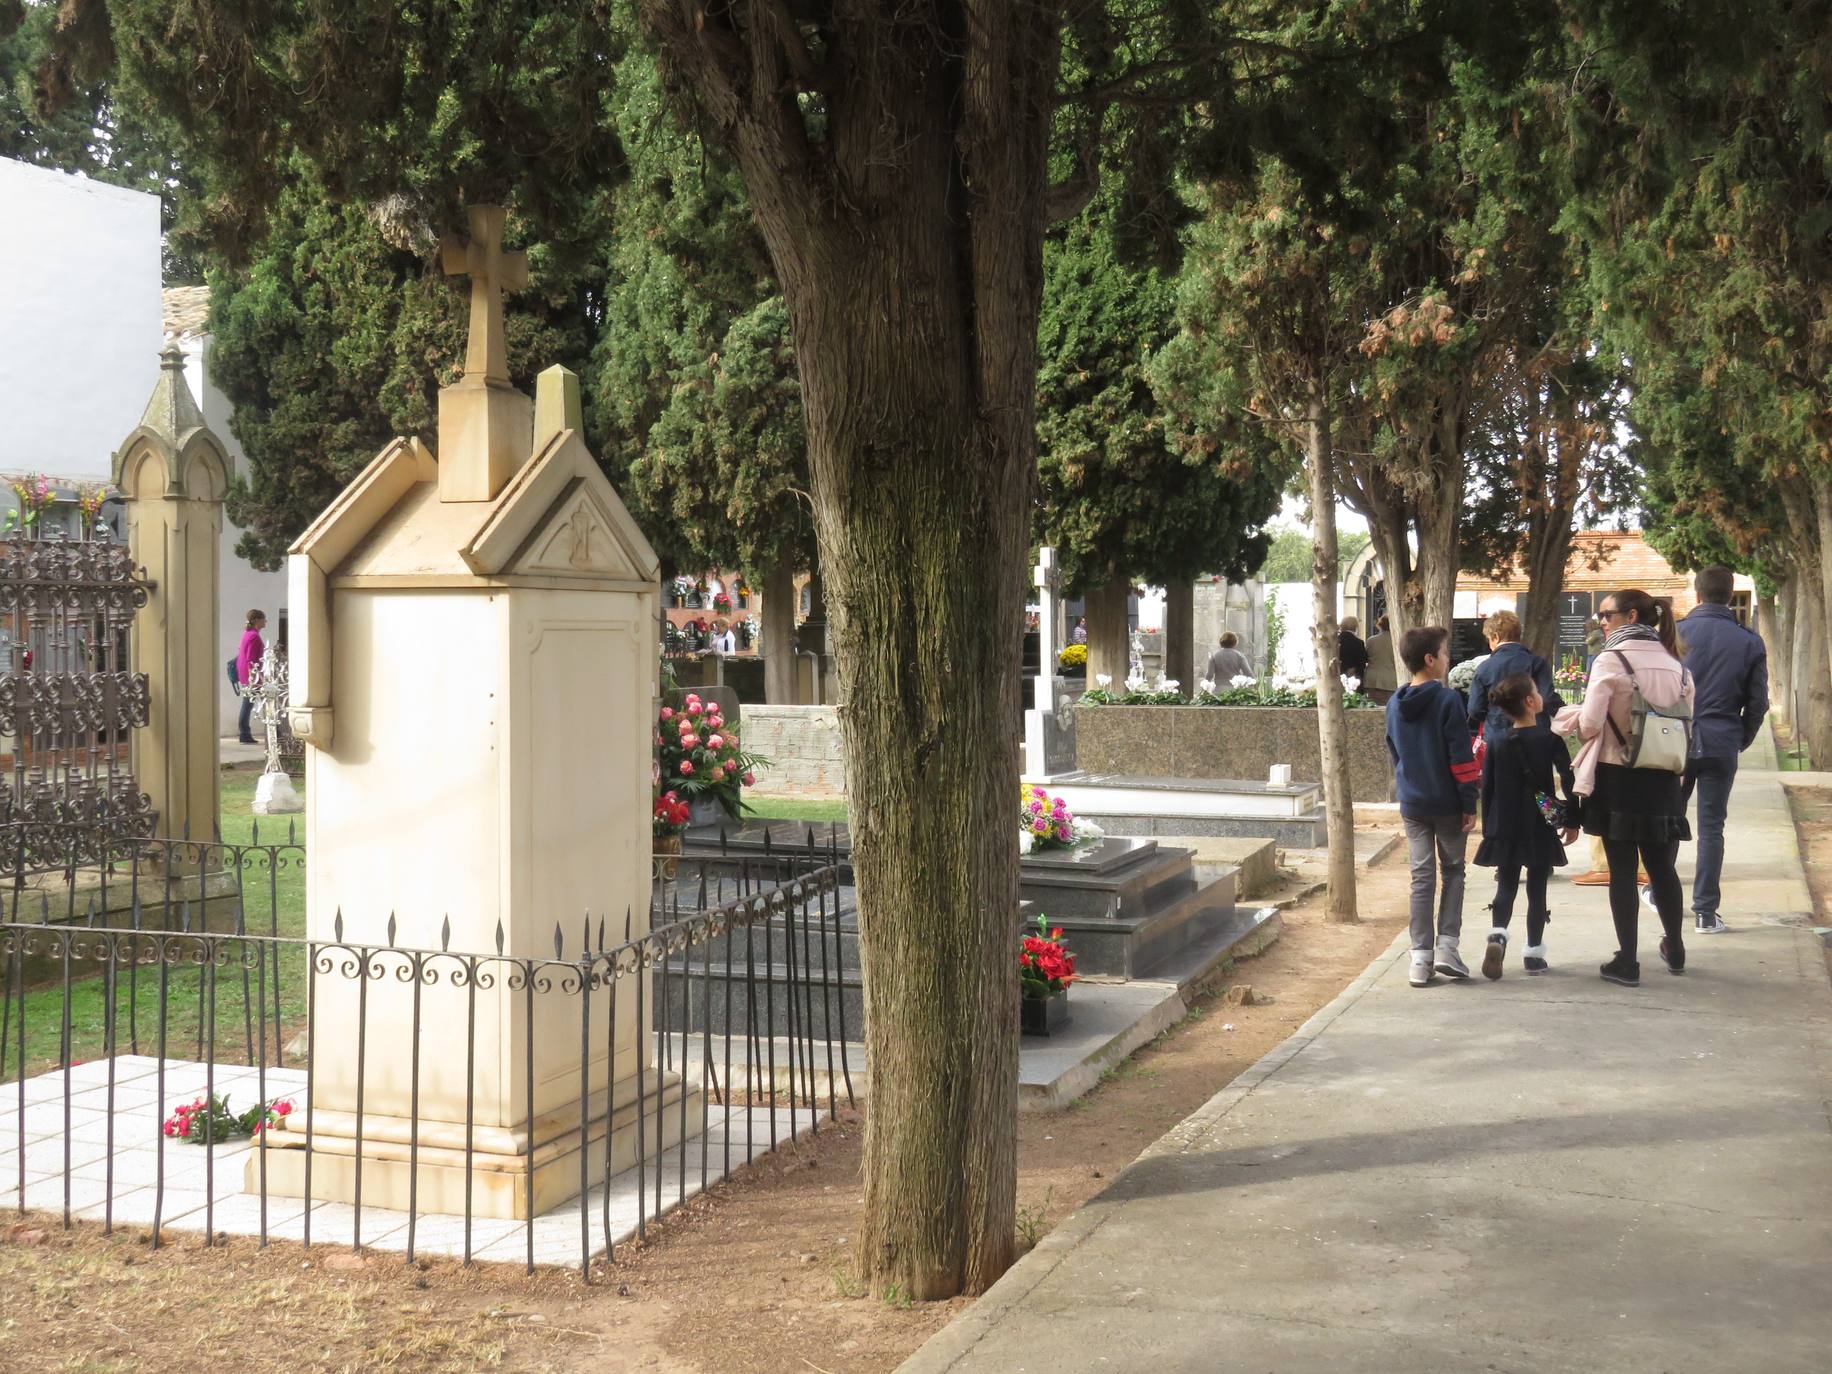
(1436, 842)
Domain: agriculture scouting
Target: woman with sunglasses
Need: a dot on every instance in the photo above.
(1639, 813)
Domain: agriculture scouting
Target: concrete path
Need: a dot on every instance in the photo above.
(1537, 1174)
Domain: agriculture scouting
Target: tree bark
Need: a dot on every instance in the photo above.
(1180, 634)
(778, 637)
(1440, 555)
(1332, 719)
(1813, 687)
(906, 230)
(1781, 649)
(1109, 643)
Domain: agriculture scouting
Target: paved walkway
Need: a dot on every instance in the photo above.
(1536, 1174)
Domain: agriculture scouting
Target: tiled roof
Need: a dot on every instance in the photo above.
(186, 310)
(1600, 560)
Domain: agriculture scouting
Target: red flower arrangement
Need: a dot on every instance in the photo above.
(1045, 966)
(670, 815)
(208, 1120)
(722, 603)
(700, 757)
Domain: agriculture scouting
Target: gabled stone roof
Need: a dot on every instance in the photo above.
(187, 310)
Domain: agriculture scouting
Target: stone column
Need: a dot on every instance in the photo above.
(1109, 645)
(778, 639)
(1180, 660)
(173, 473)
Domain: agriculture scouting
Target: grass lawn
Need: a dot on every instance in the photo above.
(270, 978)
(797, 809)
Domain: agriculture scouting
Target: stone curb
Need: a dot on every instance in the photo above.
(947, 1347)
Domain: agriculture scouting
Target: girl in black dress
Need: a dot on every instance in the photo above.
(1517, 835)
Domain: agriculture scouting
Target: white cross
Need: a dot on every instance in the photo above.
(1572, 606)
(1047, 578)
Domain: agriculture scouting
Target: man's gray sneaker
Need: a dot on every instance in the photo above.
(1448, 962)
(1708, 925)
(1421, 968)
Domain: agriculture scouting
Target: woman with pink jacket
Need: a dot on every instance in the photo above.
(1639, 813)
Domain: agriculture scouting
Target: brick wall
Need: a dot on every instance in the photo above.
(802, 744)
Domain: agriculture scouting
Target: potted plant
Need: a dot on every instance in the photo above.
(671, 816)
(1073, 661)
(741, 588)
(721, 603)
(1045, 970)
(702, 762)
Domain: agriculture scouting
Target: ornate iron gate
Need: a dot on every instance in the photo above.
(68, 702)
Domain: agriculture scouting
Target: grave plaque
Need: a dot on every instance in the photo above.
(1574, 612)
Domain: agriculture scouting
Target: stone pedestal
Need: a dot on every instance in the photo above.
(474, 672)
(173, 474)
(275, 795)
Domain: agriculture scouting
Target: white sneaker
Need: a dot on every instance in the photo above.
(1708, 925)
(1449, 962)
(1647, 897)
(1421, 968)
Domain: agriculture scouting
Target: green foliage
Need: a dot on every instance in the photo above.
(694, 371)
(1117, 498)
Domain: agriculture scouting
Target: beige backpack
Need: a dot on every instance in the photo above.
(1659, 738)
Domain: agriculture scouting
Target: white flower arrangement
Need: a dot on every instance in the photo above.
(1463, 676)
(1025, 843)
(1136, 682)
(1167, 684)
(1206, 685)
(1103, 680)
(1350, 684)
(1242, 680)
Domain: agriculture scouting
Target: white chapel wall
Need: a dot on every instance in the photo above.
(82, 316)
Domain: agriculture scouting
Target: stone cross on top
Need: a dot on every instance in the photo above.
(492, 271)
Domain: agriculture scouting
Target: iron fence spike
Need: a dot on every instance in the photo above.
(445, 933)
(499, 935)
(391, 930)
(337, 926)
(559, 942)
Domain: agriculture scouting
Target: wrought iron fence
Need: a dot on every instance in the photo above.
(68, 700)
(737, 1006)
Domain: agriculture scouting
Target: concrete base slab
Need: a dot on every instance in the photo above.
(1254, 858)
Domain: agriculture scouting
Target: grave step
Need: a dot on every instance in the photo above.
(1095, 794)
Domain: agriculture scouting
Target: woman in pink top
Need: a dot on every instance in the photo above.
(247, 660)
(1637, 812)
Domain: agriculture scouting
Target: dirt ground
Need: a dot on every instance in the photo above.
(754, 1279)
(1812, 808)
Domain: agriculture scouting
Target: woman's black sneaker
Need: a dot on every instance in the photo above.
(1623, 971)
(1673, 965)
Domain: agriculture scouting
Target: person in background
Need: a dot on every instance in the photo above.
(1351, 653)
(1435, 774)
(1079, 635)
(247, 659)
(724, 642)
(1507, 657)
(1593, 641)
(1227, 662)
(1382, 679)
(1729, 666)
(1636, 811)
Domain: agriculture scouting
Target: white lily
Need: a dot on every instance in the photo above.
(1241, 680)
(1167, 684)
(1350, 684)
(1206, 686)
(1025, 842)
(1136, 683)
(1103, 680)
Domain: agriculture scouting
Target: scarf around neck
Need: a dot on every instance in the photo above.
(1630, 631)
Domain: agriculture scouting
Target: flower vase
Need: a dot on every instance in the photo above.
(1043, 1015)
(668, 856)
(704, 811)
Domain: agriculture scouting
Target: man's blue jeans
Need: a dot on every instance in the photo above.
(1713, 777)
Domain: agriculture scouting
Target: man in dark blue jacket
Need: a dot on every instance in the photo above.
(1729, 667)
(1436, 778)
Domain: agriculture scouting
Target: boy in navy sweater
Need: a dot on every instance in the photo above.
(1428, 737)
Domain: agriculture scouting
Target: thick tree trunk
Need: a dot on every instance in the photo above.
(1813, 690)
(1439, 554)
(778, 638)
(906, 230)
(1180, 634)
(1548, 551)
(1781, 649)
(1387, 532)
(1332, 720)
(1109, 642)
(1768, 626)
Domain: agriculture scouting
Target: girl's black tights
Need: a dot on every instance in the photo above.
(1625, 891)
(1507, 885)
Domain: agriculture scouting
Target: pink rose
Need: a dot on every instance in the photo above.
(715, 741)
(686, 768)
(718, 772)
(694, 708)
(689, 740)
(749, 780)
(667, 713)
